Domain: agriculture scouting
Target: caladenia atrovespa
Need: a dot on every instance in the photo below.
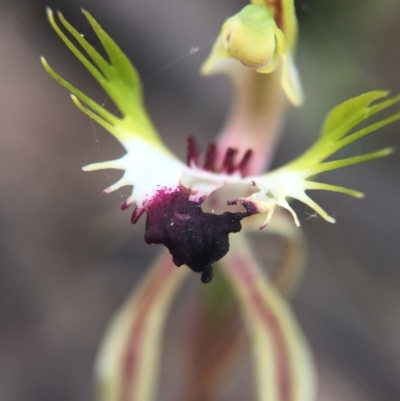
(255, 49)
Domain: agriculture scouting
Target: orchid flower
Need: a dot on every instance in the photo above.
(256, 45)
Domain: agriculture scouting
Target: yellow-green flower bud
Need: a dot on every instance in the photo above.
(249, 36)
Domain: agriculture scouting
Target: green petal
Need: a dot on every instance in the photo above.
(118, 78)
(291, 81)
(335, 133)
(328, 166)
(291, 180)
(333, 188)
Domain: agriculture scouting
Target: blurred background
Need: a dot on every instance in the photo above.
(69, 256)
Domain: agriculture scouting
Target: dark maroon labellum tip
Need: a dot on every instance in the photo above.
(193, 237)
(207, 274)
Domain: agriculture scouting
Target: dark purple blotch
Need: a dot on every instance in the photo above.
(193, 237)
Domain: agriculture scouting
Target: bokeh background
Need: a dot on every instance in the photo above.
(69, 256)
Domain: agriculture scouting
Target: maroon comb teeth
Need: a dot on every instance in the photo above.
(192, 152)
(242, 167)
(211, 155)
(228, 165)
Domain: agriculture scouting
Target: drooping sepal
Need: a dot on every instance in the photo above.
(283, 363)
(129, 359)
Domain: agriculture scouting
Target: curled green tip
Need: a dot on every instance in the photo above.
(388, 151)
(50, 14)
(45, 64)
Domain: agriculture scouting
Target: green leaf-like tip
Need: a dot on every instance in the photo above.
(116, 75)
(339, 130)
(336, 132)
